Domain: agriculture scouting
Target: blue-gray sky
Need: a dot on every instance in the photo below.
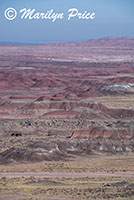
(114, 18)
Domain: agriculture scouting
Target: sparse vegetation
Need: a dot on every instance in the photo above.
(98, 163)
(67, 108)
(69, 188)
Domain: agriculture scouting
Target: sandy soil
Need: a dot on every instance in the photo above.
(11, 197)
(67, 175)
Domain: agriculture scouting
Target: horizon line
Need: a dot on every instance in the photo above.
(5, 43)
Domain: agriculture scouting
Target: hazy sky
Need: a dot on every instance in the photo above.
(114, 18)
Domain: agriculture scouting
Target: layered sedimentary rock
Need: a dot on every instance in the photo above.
(59, 101)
